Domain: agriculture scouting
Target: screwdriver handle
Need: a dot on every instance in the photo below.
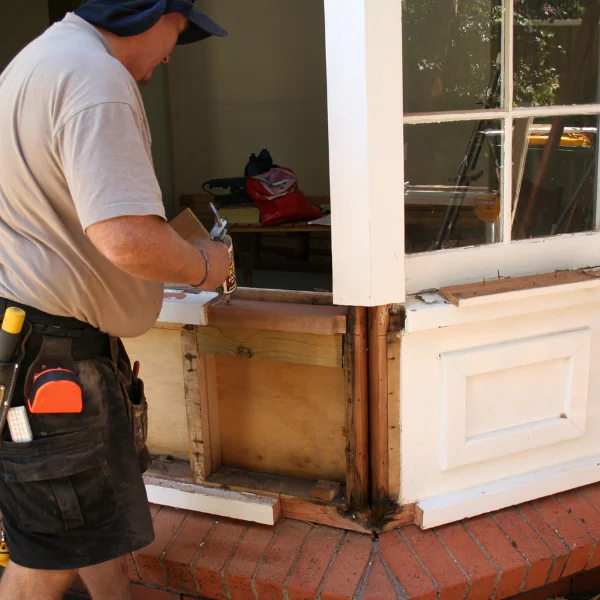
(10, 332)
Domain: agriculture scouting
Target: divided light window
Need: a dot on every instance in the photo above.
(501, 117)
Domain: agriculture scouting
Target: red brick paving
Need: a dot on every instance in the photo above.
(442, 568)
(240, 568)
(166, 525)
(405, 566)
(578, 540)
(558, 548)
(178, 558)
(483, 575)
(312, 565)
(510, 563)
(378, 585)
(527, 541)
(534, 551)
(349, 566)
(209, 563)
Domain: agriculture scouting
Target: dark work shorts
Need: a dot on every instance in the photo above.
(74, 497)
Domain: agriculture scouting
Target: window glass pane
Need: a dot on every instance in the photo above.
(451, 50)
(452, 190)
(554, 176)
(556, 52)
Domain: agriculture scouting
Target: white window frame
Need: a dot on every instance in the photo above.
(366, 122)
(507, 258)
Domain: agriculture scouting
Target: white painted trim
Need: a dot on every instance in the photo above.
(223, 503)
(449, 508)
(458, 115)
(457, 449)
(473, 264)
(507, 181)
(364, 49)
(189, 309)
(422, 316)
(502, 113)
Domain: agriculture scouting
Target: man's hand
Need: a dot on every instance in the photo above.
(148, 248)
(219, 262)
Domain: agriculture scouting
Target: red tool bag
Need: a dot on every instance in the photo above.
(278, 198)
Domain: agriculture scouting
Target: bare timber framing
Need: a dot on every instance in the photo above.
(345, 359)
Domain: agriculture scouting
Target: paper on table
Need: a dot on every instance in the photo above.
(325, 221)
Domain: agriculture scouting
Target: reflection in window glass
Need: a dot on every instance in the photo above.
(451, 54)
(452, 191)
(555, 52)
(554, 176)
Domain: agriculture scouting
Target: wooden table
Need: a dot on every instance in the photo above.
(247, 240)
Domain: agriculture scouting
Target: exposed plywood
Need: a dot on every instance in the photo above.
(277, 316)
(159, 353)
(301, 348)
(504, 289)
(393, 391)
(282, 418)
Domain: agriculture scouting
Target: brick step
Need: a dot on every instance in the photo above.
(498, 555)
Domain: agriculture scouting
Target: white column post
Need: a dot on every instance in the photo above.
(364, 78)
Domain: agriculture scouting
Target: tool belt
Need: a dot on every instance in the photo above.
(47, 354)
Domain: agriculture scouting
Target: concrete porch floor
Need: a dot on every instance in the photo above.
(538, 550)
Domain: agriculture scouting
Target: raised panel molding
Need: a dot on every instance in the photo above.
(510, 397)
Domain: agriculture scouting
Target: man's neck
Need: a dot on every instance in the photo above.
(123, 48)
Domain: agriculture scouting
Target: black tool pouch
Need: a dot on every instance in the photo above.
(9, 373)
(134, 398)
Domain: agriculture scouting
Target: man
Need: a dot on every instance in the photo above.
(85, 249)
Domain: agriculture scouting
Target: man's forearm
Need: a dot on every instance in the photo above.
(148, 248)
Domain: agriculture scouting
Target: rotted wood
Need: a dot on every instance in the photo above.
(393, 395)
(379, 323)
(357, 416)
(199, 374)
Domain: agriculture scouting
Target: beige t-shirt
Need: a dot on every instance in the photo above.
(74, 150)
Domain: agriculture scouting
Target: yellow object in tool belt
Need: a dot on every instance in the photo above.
(4, 553)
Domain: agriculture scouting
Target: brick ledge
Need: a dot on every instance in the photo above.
(553, 542)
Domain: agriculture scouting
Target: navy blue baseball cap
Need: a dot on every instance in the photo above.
(132, 17)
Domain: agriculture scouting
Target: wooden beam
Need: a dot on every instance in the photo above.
(279, 346)
(281, 488)
(478, 293)
(393, 395)
(322, 514)
(326, 490)
(379, 321)
(277, 316)
(224, 503)
(199, 372)
(357, 415)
